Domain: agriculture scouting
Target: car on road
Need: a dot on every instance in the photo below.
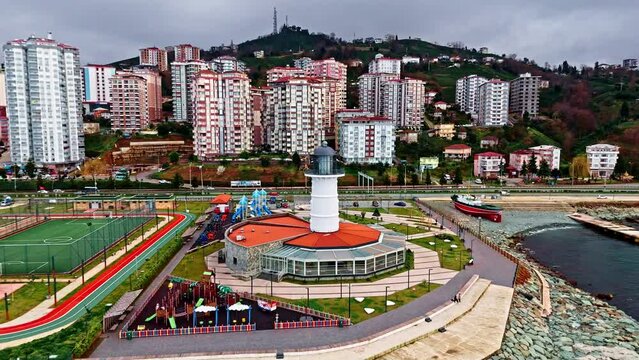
(164, 182)
(601, 196)
(400, 203)
(43, 191)
(210, 188)
(478, 181)
(58, 191)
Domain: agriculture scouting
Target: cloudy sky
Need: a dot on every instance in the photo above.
(580, 31)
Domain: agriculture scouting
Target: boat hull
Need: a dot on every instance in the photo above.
(492, 215)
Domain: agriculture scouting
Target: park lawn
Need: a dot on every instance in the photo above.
(448, 257)
(339, 306)
(27, 297)
(357, 219)
(195, 207)
(368, 209)
(403, 229)
(408, 211)
(193, 265)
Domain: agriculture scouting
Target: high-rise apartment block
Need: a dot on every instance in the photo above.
(401, 100)
(366, 139)
(493, 103)
(186, 52)
(182, 76)
(136, 99)
(330, 69)
(303, 63)
(3, 94)
(295, 116)
(467, 93)
(279, 72)
(223, 114)
(96, 83)
(227, 63)
(154, 56)
(384, 65)
(524, 95)
(44, 101)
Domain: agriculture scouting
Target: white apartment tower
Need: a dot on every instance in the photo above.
(401, 100)
(493, 103)
(384, 65)
(602, 159)
(366, 139)
(3, 94)
(295, 115)
(227, 63)
(96, 83)
(524, 95)
(44, 101)
(182, 75)
(223, 121)
(467, 93)
(370, 91)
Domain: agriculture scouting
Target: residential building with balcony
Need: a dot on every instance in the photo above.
(95, 82)
(186, 52)
(154, 56)
(182, 76)
(279, 72)
(524, 95)
(366, 139)
(227, 63)
(384, 65)
(550, 153)
(457, 152)
(467, 93)
(493, 103)
(488, 164)
(602, 159)
(44, 101)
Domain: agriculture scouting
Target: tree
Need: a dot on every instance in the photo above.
(544, 169)
(297, 161)
(579, 167)
(265, 161)
(524, 170)
(3, 173)
(194, 182)
(245, 155)
(526, 118)
(624, 112)
(16, 170)
(163, 130)
(174, 157)
(30, 168)
(458, 180)
(442, 180)
(177, 181)
(400, 178)
(376, 213)
(93, 167)
(414, 179)
(193, 158)
(428, 181)
(621, 167)
(555, 173)
(532, 165)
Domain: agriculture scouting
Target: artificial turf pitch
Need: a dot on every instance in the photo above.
(67, 241)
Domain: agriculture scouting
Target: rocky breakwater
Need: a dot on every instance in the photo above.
(610, 211)
(580, 326)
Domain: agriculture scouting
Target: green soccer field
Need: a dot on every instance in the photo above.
(66, 242)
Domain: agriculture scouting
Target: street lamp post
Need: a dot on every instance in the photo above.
(429, 279)
(308, 299)
(349, 300)
(201, 180)
(190, 177)
(386, 298)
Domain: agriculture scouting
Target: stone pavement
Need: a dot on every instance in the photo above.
(47, 305)
(424, 259)
(476, 335)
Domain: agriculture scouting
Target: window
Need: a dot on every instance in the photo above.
(234, 260)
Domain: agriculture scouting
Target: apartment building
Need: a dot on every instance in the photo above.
(95, 81)
(367, 139)
(3, 94)
(493, 103)
(154, 56)
(519, 158)
(602, 159)
(279, 72)
(44, 101)
(136, 99)
(487, 164)
(182, 75)
(186, 52)
(303, 63)
(223, 114)
(550, 153)
(259, 103)
(630, 64)
(295, 115)
(457, 152)
(467, 93)
(342, 114)
(330, 68)
(524, 95)
(401, 100)
(227, 63)
(446, 131)
(384, 65)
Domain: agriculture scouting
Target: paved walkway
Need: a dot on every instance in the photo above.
(47, 305)
(425, 259)
(476, 335)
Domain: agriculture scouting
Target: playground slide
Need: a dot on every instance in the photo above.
(237, 214)
(150, 318)
(199, 302)
(172, 322)
(266, 210)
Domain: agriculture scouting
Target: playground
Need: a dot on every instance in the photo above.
(62, 244)
(181, 304)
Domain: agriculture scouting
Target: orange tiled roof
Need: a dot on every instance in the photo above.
(296, 232)
(221, 199)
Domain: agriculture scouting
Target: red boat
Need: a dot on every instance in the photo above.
(472, 206)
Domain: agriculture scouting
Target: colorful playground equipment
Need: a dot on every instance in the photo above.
(258, 206)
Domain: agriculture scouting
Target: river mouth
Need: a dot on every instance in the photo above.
(595, 262)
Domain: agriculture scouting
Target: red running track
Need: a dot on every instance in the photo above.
(92, 286)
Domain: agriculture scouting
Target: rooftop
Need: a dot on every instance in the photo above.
(457, 147)
(221, 199)
(296, 232)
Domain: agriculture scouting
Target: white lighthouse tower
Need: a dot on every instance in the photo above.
(324, 202)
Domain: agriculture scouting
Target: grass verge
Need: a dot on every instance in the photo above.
(193, 264)
(449, 257)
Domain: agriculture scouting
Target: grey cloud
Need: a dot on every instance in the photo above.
(579, 31)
